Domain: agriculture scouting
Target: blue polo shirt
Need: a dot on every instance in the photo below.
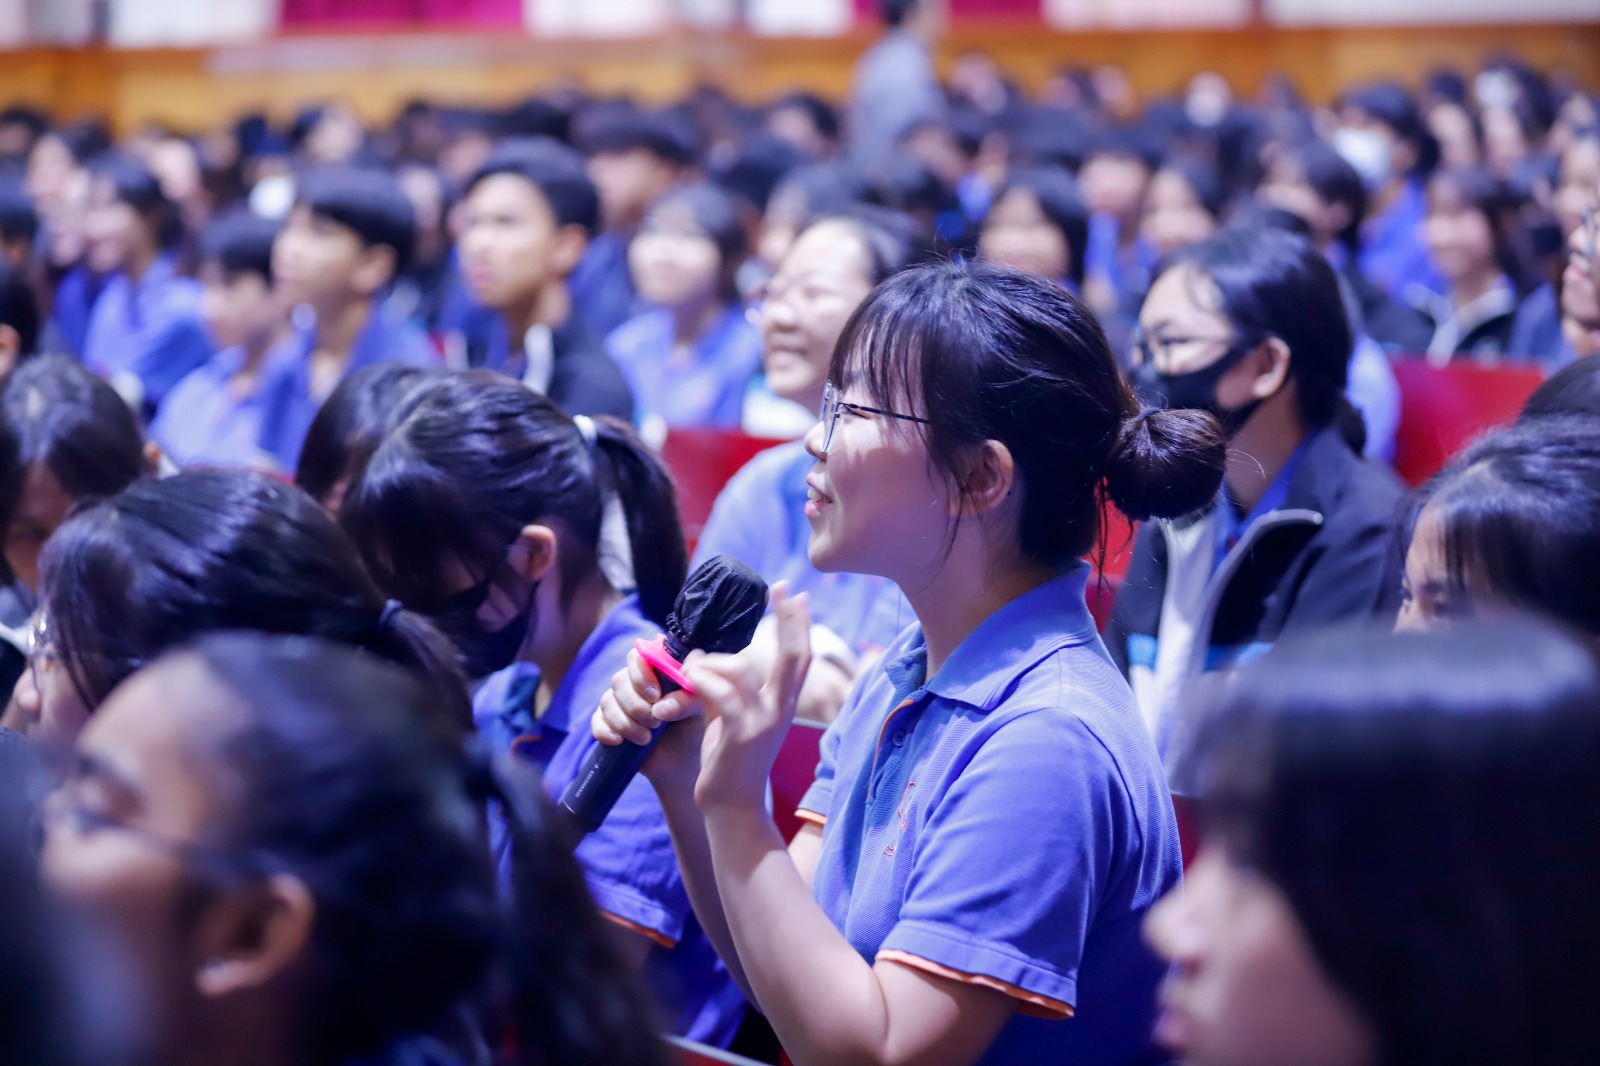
(203, 421)
(151, 329)
(759, 519)
(629, 861)
(288, 405)
(1393, 252)
(705, 389)
(1006, 822)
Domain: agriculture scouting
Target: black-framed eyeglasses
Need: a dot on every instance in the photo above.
(41, 647)
(833, 402)
(1148, 344)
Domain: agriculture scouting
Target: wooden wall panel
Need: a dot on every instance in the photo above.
(193, 88)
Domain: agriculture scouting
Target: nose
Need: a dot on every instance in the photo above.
(1173, 927)
(26, 702)
(814, 440)
(776, 314)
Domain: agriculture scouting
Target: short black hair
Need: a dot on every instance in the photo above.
(19, 220)
(818, 111)
(716, 214)
(1062, 205)
(1048, 136)
(134, 185)
(558, 172)
(368, 201)
(1335, 181)
(759, 165)
(1390, 104)
(895, 12)
(240, 242)
(667, 134)
(1127, 142)
(19, 309)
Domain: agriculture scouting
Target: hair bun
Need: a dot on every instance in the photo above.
(1166, 464)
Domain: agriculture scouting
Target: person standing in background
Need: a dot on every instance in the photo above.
(895, 87)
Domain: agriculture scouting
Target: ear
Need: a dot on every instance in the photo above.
(374, 269)
(255, 935)
(534, 552)
(1336, 218)
(571, 242)
(988, 480)
(10, 350)
(1271, 366)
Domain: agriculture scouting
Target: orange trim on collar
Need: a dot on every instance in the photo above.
(649, 934)
(1031, 1002)
(813, 817)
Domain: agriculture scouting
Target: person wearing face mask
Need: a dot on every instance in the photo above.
(1382, 135)
(759, 517)
(533, 537)
(1251, 326)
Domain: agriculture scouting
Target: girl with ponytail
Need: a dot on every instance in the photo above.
(124, 580)
(281, 842)
(990, 822)
(550, 543)
(1250, 325)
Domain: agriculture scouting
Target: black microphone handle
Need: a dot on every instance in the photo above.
(606, 772)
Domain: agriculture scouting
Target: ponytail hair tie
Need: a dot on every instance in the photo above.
(390, 612)
(586, 429)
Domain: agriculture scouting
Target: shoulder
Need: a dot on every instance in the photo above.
(641, 329)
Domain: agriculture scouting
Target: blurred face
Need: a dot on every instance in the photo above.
(1369, 145)
(1504, 142)
(41, 508)
(1186, 332)
(1580, 282)
(1287, 189)
(1580, 178)
(315, 261)
(512, 248)
(1114, 185)
(819, 284)
(117, 237)
(336, 138)
(628, 183)
(50, 164)
(786, 213)
(1458, 234)
(1017, 234)
(422, 188)
(238, 308)
(1430, 599)
(1245, 988)
(48, 708)
(1174, 218)
(1452, 127)
(794, 125)
(143, 790)
(674, 262)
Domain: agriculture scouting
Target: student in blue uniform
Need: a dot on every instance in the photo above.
(145, 330)
(213, 416)
(514, 526)
(689, 358)
(349, 235)
(530, 211)
(991, 823)
(351, 425)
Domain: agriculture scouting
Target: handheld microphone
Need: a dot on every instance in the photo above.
(718, 611)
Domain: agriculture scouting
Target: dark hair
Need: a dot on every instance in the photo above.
(133, 184)
(717, 217)
(478, 457)
(351, 423)
(1519, 514)
(57, 415)
(1390, 104)
(1499, 204)
(1203, 180)
(818, 112)
(1575, 389)
(19, 309)
(1048, 136)
(987, 353)
(757, 167)
(1425, 802)
(346, 782)
(1127, 142)
(1062, 205)
(19, 220)
(823, 187)
(667, 134)
(1335, 181)
(369, 202)
(555, 170)
(131, 577)
(895, 12)
(1270, 283)
(240, 242)
(889, 237)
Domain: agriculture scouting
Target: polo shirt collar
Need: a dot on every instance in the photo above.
(1017, 636)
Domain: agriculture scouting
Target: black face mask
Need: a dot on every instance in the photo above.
(1195, 390)
(484, 652)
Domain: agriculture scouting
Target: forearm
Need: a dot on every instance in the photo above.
(824, 1001)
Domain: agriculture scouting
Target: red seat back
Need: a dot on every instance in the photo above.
(1445, 407)
(793, 773)
(701, 462)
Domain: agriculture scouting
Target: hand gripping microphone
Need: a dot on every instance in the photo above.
(718, 611)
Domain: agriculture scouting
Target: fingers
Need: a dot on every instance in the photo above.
(789, 669)
(643, 676)
(613, 725)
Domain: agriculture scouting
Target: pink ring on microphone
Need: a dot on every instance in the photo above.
(656, 654)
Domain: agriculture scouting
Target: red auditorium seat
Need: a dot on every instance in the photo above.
(1443, 408)
(701, 462)
(692, 1054)
(793, 773)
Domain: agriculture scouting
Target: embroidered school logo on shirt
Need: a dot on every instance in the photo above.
(900, 813)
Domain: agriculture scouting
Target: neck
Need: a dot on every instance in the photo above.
(242, 1041)
(550, 306)
(691, 321)
(1474, 285)
(1385, 195)
(1256, 456)
(338, 329)
(554, 653)
(957, 599)
(139, 265)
